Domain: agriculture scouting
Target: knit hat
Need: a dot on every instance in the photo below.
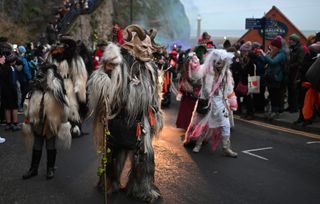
(294, 37)
(21, 49)
(247, 46)
(276, 42)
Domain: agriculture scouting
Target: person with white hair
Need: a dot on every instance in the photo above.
(124, 96)
(217, 100)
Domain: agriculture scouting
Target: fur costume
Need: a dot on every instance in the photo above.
(127, 101)
(72, 69)
(47, 94)
(217, 87)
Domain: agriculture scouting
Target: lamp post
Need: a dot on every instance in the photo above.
(131, 12)
(198, 26)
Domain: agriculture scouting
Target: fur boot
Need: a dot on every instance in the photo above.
(141, 180)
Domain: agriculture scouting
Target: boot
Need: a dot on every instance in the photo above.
(51, 159)
(226, 148)
(197, 148)
(33, 171)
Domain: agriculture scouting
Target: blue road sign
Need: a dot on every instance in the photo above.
(253, 23)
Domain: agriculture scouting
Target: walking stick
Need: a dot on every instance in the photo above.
(104, 151)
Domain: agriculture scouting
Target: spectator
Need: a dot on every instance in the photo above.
(275, 61)
(226, 44)
(294, 67)
(312, 51)
(259, 99)
(247, 69)
(51, 32)
(9, 92)
(5, 48)
(25, 76)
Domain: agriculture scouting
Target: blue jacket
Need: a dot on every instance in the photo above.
(26, 70)
(274, 73)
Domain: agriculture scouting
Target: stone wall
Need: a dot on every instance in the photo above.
(97, 25)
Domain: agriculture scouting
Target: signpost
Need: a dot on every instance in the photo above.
(253, 23)
(257, 24)
(268, 28)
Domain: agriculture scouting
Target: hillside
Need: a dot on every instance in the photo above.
(24, 20)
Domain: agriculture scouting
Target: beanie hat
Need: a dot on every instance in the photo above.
(294, 37)
(276, 42)
(247, 46)
(21, 49)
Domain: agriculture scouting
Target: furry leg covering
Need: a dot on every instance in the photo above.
(28, 135)
(64, 136)
(141, 180)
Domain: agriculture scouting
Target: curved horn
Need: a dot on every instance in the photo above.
(152, 33)
(135, 28)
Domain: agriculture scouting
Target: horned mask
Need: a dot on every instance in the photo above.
(140, 43)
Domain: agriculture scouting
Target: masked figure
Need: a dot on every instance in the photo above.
(71, 67)
(217, 100)
(124, 98)
(53, 104)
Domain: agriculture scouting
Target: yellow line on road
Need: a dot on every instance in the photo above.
(283, 129)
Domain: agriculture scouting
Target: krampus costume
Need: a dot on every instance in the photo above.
(217, 99)
(52, 106)
(125, 100)
(72, 69)
(46, 118)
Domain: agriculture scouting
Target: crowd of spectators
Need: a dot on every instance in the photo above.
(282, 69)
(17, 70)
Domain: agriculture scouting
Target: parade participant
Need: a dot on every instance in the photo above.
(189, 90)
(126, 87)
(46, 118)
(72, 69)
(98, 54)
(165, 70)
(217, 100)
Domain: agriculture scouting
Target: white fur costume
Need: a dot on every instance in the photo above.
(217, 86)
(73, 71)
(47, 109)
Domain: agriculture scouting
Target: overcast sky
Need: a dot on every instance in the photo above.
(231, 14)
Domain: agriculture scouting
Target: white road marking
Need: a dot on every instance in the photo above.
(255, 155)
(313, 142)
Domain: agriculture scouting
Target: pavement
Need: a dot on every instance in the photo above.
(287, 120)
(273, 166)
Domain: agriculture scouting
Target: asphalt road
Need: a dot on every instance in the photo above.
(285, 170)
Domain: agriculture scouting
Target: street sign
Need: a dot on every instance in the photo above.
(253, 23)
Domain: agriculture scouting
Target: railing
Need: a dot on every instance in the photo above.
(74, 12)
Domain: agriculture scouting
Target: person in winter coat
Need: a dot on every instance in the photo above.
(274, 74)
(294, 67)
